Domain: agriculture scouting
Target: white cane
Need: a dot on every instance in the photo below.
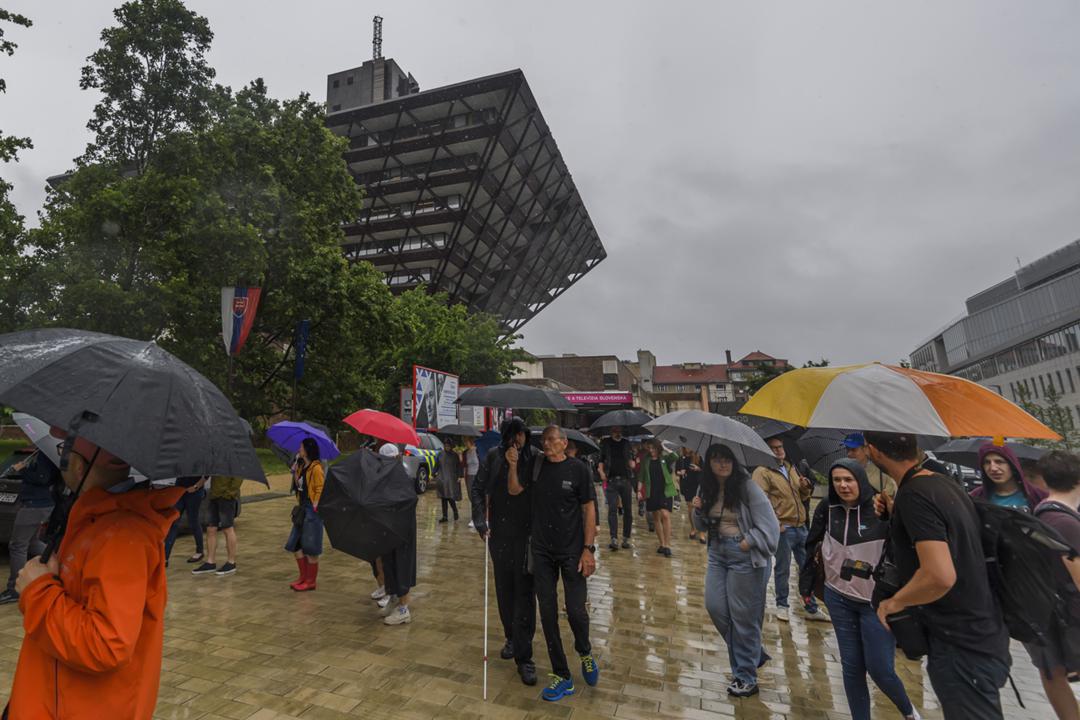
(487, 559)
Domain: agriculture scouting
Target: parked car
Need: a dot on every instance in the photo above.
(421, 463)
(9, 491)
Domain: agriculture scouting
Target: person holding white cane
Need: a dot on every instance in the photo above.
(503, 520)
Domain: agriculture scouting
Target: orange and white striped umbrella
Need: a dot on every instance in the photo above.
(886, 398)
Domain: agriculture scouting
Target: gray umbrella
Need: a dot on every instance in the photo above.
(697, 430)
(129, 397)
(631, 421)
(516, 397)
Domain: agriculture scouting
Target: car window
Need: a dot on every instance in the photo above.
(436, 443)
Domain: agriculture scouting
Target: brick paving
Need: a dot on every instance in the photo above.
(246, 647)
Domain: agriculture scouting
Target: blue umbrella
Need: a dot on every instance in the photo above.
(288, 435)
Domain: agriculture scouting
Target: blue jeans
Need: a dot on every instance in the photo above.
(735, 600)
(188, 504)
(865, 647)
(792, 542)
(308, 535)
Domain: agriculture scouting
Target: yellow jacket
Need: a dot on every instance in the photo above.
(786, 494)
(314, 479)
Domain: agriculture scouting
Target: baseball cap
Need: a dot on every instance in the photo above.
(389, 450)
(854, 440)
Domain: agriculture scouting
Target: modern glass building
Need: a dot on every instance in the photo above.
(465, 189)
(1020, 335)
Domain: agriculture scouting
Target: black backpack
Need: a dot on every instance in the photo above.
(1021, 557)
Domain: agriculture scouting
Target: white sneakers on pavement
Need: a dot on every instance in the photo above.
(399, 616)
(782, 614)
(379, 594)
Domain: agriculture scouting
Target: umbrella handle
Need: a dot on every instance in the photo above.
(54, 530)
(487, 560)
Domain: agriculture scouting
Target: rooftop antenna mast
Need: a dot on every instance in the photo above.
(376, 39)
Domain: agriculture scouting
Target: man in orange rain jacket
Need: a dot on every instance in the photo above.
(94, 614)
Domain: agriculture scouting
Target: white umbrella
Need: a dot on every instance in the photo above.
(38, 433)
(697, 430)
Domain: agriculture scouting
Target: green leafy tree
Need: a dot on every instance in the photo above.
(10, 145)
(432, 332)
(13, 266)
(256, 198)
(154, 79)
(823, 362)
(1050, 412)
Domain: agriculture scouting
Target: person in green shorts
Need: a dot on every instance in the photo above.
(224, 507)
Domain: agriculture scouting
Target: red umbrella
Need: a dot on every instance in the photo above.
(382, 426)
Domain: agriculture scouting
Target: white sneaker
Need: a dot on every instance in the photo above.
(782, 614)
(472, 525)
(400, 616)
(388, 605)
(914, 715)
(379, 593)
(821, 615)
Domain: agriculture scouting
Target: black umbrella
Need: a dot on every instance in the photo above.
(459, 430)
(515, 396)
(368, 505)
(585, 443)
(821, 447)
(129, 397)
(965, 451)
(630, 421)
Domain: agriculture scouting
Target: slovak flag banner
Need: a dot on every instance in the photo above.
(238, 306)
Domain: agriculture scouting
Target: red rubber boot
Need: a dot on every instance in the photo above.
(302, 563)
(309, 577)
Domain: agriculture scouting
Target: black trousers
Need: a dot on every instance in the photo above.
(546, 571)
(448, 504)
(967, 683)
(514, 595)
(619, 488)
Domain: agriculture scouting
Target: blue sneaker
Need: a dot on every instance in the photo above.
(558, 689)
(590, 670)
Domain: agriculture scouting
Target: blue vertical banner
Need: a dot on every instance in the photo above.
(302, 329)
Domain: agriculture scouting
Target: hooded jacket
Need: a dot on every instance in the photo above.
(93, 635)
(847, 534)
(1032, 494)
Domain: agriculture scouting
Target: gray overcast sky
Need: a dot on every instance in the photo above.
(811, 179)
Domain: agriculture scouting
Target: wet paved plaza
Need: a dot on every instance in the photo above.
(249, 648)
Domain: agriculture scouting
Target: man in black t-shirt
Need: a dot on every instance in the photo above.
(614, 469)
(504, 520)
(562, 544)
(934, 537)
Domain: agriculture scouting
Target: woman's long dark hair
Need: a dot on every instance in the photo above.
(734, 486)
(311, 449)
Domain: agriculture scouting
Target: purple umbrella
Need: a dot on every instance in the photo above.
(288, 435)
